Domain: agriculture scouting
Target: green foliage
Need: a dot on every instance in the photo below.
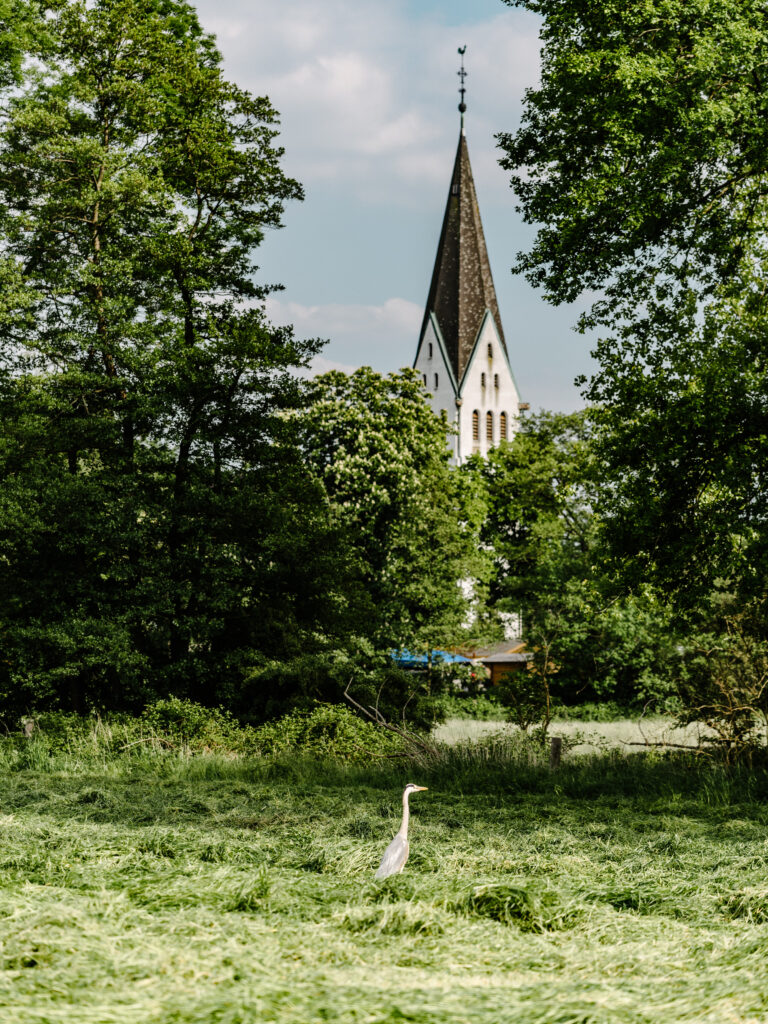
(684, 449)
(191, 725)
(590, 711)
(482, 707)
(281, 685)
(642, 157)
(643, 142)
(588, 639)
(327, 731)
(723, 681)
(156, 522)
(525, 695)
(169, 725)
(382, 457)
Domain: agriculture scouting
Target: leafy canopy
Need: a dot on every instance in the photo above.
(643, 158)
(156, 522)
(382, 456)
(587, 639)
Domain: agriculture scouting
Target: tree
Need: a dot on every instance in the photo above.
(588, 639)
(405, 540)
(151, 492)
(15, 16)
(723, 678)
(642, 156)
(382, 457)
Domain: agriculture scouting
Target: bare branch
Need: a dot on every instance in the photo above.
(374, 715)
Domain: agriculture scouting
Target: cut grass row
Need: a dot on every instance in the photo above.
(170, 889)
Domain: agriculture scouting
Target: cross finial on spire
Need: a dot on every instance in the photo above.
(462, 88)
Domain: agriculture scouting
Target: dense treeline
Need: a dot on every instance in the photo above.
(174, 520)
(183, 515)
(641, 156)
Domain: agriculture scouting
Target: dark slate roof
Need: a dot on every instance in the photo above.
(462, 285)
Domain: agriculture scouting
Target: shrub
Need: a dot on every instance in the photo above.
(525, 696)
(328, 730)
(482, 707)
(724, 684)
(199, 728)
(599, 711)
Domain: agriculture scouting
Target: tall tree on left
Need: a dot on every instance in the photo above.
(144, 457)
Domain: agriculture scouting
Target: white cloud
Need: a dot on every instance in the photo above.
(322, 365)
(367, 91)
(359, 335)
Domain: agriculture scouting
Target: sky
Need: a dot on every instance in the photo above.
(367, 96)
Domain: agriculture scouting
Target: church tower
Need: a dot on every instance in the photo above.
(462, 355)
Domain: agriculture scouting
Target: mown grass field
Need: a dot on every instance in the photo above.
(168, 889)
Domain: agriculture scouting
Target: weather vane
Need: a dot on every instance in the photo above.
(462, 88)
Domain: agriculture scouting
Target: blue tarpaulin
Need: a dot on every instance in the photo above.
(406, 659)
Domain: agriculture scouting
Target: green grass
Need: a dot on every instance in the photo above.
(582, 737)
(159, 888)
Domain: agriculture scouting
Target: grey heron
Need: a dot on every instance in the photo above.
(396, 854)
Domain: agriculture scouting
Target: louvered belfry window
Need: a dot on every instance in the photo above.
(503, 426)
(475, 425)
(489, 426)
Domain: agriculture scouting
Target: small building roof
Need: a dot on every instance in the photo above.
(489, 650)
(511, 658)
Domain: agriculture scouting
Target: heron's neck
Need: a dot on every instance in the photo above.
(406, 815)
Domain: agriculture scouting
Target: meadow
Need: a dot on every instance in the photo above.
(149, 885)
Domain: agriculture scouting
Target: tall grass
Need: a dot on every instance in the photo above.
(504, 763)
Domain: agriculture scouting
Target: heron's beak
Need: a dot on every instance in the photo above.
(422, 788)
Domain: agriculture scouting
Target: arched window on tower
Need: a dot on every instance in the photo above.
(502, 426)
(482, 380)
(490, 350)
(430, 350)
(475, 425)
(496, 381)
(489, 426)
(424, 378)
(435, 381)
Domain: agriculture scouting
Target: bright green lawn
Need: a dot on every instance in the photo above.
(155, 893)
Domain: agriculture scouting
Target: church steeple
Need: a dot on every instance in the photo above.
(461, 354)
(462, 284)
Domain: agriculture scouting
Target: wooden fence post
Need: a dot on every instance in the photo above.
(555, 752)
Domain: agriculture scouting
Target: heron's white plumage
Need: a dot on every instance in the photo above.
(396, 854)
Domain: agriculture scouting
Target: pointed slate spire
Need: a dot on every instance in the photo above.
(462, 285)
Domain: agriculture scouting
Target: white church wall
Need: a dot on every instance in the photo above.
(487, 387)
(432, 364)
